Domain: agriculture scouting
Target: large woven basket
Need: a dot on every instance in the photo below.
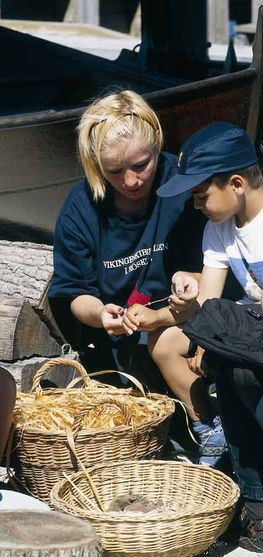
(43, 456)
(200, 501)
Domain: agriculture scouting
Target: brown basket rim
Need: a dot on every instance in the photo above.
(170, 516)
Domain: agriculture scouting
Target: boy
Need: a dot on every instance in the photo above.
(219, 165)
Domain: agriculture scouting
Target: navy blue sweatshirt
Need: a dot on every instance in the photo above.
(118, 258)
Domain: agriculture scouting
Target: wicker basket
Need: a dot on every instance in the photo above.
(43, 456)
(200, 501)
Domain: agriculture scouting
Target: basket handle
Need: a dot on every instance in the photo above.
(108, 399)
(131, 378)
(71, 442)
(36, 388)
(72, 433)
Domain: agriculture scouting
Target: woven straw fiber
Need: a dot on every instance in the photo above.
(43, 456)
(200, 501)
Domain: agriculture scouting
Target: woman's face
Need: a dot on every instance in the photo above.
(130, 169)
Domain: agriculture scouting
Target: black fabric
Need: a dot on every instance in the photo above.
(232, 336)
(229, 330)
(254, 509)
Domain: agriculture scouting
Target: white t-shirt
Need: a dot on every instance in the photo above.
(225, 245)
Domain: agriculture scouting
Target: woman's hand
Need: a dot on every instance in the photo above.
(111, 318)
(139, 318)
(195, 362)
(184, 290)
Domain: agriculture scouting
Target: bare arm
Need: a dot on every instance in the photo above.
(90, 311)
(211, 283)
(184, 304)
(141, 318)
(188, 287)
(87, 309)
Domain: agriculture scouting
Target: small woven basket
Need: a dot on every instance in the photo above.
(44, 455)
(199, 504)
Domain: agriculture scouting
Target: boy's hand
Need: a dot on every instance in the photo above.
(111, 317)
(139, 318)
(195, 362)
(184, 289)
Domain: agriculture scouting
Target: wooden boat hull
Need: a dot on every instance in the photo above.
(38, 157)
(39, 165)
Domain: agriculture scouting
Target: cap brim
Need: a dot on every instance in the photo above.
(180, 183)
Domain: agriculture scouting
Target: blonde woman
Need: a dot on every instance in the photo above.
(117, 243)
(110, 246)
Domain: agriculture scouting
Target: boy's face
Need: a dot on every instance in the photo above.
(218, 203)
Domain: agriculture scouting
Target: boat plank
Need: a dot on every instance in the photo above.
(182, 120)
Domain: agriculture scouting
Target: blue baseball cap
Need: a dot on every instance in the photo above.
(216, 148)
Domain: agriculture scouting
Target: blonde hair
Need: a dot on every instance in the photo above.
(105, 123)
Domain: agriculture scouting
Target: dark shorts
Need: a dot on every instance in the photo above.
(99, 351)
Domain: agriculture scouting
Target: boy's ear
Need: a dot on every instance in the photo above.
(238, 183)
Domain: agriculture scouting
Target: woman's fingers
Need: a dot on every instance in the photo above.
(130, 321)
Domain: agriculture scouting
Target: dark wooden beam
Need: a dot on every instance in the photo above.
(174, 37)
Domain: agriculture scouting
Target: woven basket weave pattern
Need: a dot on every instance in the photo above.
(201, 504)
(44, 456)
